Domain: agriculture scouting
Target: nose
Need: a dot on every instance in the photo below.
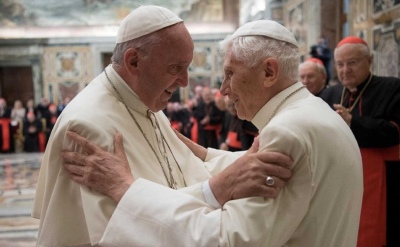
(224, 90)
(183, 79)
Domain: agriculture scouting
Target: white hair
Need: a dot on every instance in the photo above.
(254, 49)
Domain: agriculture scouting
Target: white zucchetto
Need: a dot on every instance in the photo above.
(145, 20)
(267, 28)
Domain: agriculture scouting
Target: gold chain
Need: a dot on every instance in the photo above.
(171, 181)
(358, 97)
(283, 101)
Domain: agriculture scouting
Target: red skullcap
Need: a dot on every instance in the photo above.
(315, 60)
(352, 40)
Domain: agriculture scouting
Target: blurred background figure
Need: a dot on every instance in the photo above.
(197, 99)
(219, 100)
(179, 117)
(62, 105)
(323, 53)
(30, 107)
(209, 120)
(231, 129)
(43, 107)
(32, 129)
(5, 111)
(5, 124)
(18, 114)
(50, 120)
(370, 105)
(312, 74)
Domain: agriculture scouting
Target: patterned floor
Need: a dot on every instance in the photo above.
(18, 178)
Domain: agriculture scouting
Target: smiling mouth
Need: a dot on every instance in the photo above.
(170, 92)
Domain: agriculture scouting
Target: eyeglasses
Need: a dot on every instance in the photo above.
(352, 63)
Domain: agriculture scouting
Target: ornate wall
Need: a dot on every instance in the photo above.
(206, 67)
(378, 22)
(66, 71)
(71, 49)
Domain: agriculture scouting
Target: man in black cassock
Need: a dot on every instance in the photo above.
(371, 107)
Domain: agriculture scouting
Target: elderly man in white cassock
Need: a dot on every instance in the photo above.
(320, 204)
(150, 62)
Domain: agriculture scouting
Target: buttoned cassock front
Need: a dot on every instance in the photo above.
(320, 205)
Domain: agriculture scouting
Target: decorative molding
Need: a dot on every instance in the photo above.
(384, 11)
(386, 45)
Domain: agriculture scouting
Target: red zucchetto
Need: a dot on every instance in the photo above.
(315, 60)
(351, 40)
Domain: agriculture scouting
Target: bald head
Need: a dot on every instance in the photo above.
(312, 75)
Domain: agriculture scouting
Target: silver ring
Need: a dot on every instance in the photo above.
(270, 181)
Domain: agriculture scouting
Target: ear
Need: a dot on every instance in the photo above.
(131, 59)
(271, 71)
(370, 59)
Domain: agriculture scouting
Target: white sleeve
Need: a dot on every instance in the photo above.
(209, 195)
(169, 220)
(150, 214)
(217, 160)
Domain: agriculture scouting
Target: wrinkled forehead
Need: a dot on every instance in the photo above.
(350, 51)
(175, 39)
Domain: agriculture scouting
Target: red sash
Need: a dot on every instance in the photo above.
(212, 127)
(175, 125)
(194, 130)
(5, 129)
(53, 119)
(42, 141)
(372, 232)
(232, 140)
(215, 127)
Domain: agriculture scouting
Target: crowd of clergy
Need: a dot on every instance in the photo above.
(27, 128)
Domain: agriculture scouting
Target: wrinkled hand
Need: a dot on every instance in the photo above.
(102, 171)
(246, 177)
(343, 112)
(254, 146)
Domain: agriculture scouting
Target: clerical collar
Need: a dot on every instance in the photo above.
(360, 90)
(362, 85)
(274, 105)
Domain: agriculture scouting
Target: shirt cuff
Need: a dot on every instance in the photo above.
(209, 195)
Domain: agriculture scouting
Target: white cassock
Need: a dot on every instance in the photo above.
(319, 206)
(72, 215)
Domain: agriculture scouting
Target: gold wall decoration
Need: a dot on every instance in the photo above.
(66, 71)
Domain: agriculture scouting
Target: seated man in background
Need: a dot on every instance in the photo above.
(319, 206)
(370, 105)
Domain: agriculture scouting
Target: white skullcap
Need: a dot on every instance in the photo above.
(267, 28)
(145, 20)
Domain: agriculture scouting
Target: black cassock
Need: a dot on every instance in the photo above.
(375, 125)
